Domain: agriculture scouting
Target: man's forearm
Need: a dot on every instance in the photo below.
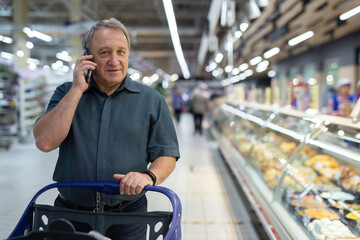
(162, 167)
(54, 126)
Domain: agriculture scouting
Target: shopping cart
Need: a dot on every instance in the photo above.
(47, 222)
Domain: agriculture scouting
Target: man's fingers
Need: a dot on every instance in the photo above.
(118, 177)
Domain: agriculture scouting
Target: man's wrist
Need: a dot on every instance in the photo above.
(152, 176)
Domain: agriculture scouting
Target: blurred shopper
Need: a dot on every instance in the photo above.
(108, 128)
(357, 93)
(199, 105)
(178, 104)
(342, 103)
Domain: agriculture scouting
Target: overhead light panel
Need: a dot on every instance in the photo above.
(271, 52)
(64, 55)
(219, 57)
(255, 60)
(350, 13)
(300, 38)
(170, 16)
(243, 67)
(6, 39)
(37, 34)
(253, 10)
(263, 3)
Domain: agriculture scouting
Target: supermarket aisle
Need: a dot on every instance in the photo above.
(200, 180)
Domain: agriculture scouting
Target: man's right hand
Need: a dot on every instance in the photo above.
(82, 63)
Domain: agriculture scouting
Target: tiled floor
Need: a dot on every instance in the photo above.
(212, 208)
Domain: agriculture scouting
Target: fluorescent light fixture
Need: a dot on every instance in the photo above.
(215, 73)
(20, 53)
(29, 45)
(350, 13)
(219, 57)
(37, 34)
(174, 77)
(243, 67)
(235, 71)
(229, 68)
(170, 16)
(262, 66)
(249, 72)
(238, 34)
(7, 55)
(255, 60)
(300, 38)
(64, 55)
(271, 52)
(6, 39)
(271, 73)
(253, 10)
(211, 66)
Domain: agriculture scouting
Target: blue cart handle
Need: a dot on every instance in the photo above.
(108, 187)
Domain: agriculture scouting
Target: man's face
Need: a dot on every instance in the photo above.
(344, 90)
(111, 52)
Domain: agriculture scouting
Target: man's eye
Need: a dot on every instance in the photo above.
(103, 52)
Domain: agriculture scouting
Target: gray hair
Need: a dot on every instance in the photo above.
(109, 23)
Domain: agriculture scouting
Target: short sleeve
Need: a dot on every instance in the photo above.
(162, 136)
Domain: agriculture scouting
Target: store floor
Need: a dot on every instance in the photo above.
(212, 208)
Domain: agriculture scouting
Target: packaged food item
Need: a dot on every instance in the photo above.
(329, 229)
(319, 213)
(309, 203)
(338, 195)
(354, 206)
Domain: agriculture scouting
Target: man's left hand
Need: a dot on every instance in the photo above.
(133, 182)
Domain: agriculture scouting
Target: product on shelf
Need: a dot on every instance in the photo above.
(338, 195)
(352, 215)
(324, 164)
(319, 213)
(310, 202)
(288, 147)
(307, 152)
(325, 229)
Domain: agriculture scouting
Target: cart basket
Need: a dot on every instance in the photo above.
(165, 224)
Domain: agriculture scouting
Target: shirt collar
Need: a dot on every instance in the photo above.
(128, 83)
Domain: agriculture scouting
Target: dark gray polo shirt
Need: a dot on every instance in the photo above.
(119, 133)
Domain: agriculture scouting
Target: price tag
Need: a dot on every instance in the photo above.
(317, 228)
(356, 181)
(337, 176)
(318, 165)
(306, 219)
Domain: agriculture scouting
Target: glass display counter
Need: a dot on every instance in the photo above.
(299, 172)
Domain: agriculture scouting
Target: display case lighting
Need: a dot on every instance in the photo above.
(350, 13)
(300, 38)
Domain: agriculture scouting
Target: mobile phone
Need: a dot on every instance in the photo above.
(87, 72)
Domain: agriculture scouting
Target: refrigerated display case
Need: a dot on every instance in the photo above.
(300, 172)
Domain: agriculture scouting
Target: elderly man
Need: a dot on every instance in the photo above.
(108, 127)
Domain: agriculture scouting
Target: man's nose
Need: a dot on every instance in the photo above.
(113, 59)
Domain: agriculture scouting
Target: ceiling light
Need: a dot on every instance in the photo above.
(6, 39)
(262, 66)
(235, 71)
(37, 34)
(238, 34)
(248, 72)
(229, 68)
(243, 67)
(271, 73)
(219, 57)
(7, 55)
(263, 3)
(64, 55)
(312, 81)
(174, 77)
(255, 60)
(29, 45)
(253, 10)
(271, 52)
(350, 13)
(215, 73)
(169, 11)
(300, 38)
(20, 53)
